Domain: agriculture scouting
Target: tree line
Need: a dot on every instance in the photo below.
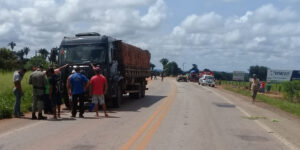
(10, 59)
(172, 69)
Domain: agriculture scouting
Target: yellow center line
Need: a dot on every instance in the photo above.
(146, 139)
(161, 112)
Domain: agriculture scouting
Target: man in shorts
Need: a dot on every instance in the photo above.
(98, 88)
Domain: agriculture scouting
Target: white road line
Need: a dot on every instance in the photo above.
(269, 130)
(20, 129)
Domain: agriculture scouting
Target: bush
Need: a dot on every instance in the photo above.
(7, 98)
(8, 60)
(291, 90)
(36, 61)
(5, 109)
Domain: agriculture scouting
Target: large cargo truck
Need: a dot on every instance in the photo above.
(125, 66)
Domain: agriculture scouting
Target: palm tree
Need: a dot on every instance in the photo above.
(12, 45)
(44, 53)
(53, 54)
(164, 62)
(21, 54)
(26, 51)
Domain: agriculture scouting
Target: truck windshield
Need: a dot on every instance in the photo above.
(83, 53)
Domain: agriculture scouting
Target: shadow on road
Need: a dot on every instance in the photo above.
(129, 104)
(61, 119)
(224, 105)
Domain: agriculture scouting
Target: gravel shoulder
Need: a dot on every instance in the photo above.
(282, 123)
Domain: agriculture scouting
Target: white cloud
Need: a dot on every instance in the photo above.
(207, 22)
(271, 14)
(267, 35)
(38, 24)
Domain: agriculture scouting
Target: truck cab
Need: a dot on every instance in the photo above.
(105, 52)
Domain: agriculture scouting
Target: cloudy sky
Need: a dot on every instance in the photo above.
(223, 35)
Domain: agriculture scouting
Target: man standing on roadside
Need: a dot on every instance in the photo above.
(77, 85)
(54, 95)
(254, 87)
(18, 92)
(38, 81)
(98, 88)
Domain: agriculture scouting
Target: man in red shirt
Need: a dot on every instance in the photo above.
(98, 88)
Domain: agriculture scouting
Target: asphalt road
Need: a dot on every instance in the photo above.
(173, 115)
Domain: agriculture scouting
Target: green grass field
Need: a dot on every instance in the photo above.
(275, 87)
(7, 98)
(282, 104)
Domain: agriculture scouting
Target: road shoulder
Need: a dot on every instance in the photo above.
(279, 122)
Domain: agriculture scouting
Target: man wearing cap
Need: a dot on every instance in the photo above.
(254, 87)
(98, 88)
(77, 85)
(38, 80)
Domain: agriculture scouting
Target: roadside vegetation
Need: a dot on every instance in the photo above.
(287, 99)
(7, 98)
(11, 60)
(275, 88)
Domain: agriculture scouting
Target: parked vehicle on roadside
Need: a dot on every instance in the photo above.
(183, 78)
(207, 80)
(125, 66)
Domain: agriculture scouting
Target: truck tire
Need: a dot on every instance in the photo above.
(139, 94)
(117, 101)
(143, 91)
(135, 95)
(132, 95)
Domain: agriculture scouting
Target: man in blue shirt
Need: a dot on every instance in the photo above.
(77, 85)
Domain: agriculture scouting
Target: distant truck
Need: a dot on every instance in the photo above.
(202, 73)
(125, 66)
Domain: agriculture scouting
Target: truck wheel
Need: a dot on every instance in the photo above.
(135, 95)
(139, 95)
(118, 99)
(132, 95)
(143, 93)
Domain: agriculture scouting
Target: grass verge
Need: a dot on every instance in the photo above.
(282, 104)
(7, 98)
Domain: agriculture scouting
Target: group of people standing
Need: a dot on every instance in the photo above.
(46, 92)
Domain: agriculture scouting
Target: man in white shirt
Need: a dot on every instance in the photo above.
(18, 92)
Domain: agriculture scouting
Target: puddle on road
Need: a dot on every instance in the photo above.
(224, 105)
(253, 138)
(255, 117)
(83, 147)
